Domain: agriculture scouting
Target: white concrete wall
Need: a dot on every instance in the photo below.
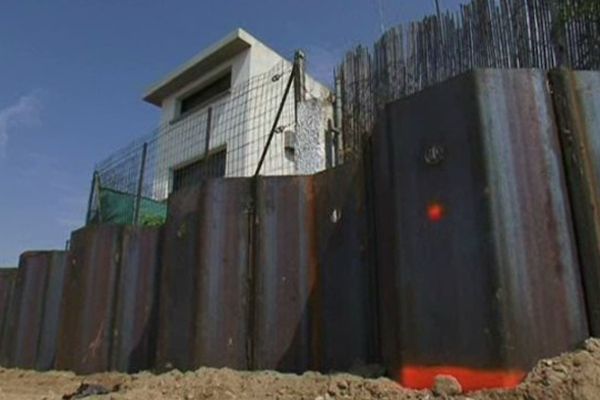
(241, 120)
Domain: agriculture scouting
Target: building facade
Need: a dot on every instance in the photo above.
(218, 109)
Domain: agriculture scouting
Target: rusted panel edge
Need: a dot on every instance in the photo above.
(582, 183)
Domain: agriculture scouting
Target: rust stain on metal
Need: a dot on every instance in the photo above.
(221, 297)
(110, 300)
(52, 310)
(88, 300)
(29, 295)
(135, 316)
(30, 335)
(282, 286)
(204, 293)
(345, 314)
(504, 252)
(7, 282)
(577, 106)
(177, 328)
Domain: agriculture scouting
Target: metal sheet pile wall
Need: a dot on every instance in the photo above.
(203, 315)
(577, 103)
(260, 288)
(109, 302)
(7, 281)
(30, 333)
(466, 215)
(478, 266)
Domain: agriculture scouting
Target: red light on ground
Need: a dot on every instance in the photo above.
(435, 212)
(423, 377)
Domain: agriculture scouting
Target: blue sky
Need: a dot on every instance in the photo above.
(72, 73)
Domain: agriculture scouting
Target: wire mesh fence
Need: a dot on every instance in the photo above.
(541, 34)
(224, 138)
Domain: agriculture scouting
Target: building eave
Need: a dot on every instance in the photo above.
(227, 48)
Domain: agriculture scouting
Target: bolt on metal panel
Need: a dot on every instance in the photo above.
(478, 268)
(576, 97)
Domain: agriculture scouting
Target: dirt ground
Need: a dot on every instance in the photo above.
(571, 376)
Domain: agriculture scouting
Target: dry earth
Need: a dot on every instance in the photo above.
(571, 376)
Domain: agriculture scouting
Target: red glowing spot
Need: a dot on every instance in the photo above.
(423, 377)
(435, 212)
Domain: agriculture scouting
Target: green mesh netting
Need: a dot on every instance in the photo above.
(118, 208)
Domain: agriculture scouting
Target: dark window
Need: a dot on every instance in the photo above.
(207, 93)
(211, 167)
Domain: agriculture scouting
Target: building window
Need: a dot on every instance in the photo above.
(212, 166)
(207, 93)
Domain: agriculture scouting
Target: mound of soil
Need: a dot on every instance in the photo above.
(571, 376)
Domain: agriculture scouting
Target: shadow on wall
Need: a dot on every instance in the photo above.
(304, 266)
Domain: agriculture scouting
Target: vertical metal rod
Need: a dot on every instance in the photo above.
(138, 197)
(277, 117)
(299, 82)
(91, 198)
(208, 129)
(251, 273)
(338, 119)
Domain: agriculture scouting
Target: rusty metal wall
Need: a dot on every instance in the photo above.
(109, 300)
(88, 300)
(30, 335)
(52, 310)
(289, 292)
(312, 279)
(204, 301)
(478, 265)
(136, 311)
(577, 104)
(29, 299)
(285, 274)
(346, 311)
(451, 251)
(7, 280)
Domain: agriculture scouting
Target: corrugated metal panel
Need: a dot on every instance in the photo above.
(29, 295)
(7, 280)
(136, 312)
(313, 303)
(285, 274)
(222, 286)
(300, 246)
(577, 104)
(481, 271)
(177, 328)
(52, 304)
(31, 317)
(204, 301)
(345, 316)
(109, 303)
(89, 300)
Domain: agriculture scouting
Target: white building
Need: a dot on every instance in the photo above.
(218, 110)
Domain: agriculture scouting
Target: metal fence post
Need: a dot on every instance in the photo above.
(299, 82)
(138, 197)
(274, 127)
(93, 187)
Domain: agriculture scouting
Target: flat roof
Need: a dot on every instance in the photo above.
(225, 49)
